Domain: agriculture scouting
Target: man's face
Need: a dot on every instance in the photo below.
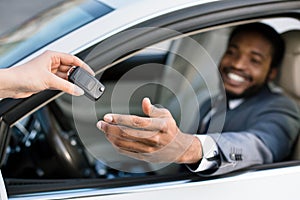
(246, 64)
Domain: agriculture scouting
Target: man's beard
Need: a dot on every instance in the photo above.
(247, 93)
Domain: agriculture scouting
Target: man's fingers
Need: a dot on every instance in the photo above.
(157, 120)
(153, 111)
(151, 138)
(143, 123)
(130, 145)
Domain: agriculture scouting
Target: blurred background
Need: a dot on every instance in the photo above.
(16, 12)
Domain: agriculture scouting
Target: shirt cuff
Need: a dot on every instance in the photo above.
(210, 155)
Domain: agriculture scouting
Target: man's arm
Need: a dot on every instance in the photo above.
(268, 136)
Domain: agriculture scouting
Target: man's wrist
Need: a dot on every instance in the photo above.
(210, 159)
(193, 154)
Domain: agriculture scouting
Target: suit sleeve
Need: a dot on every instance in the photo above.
(239, 150)
(268, 137)
(277, 126)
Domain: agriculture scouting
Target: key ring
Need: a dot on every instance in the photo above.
(71, 70)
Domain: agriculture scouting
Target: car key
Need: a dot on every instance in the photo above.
(93, 89)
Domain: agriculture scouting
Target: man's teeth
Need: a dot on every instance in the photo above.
(236, 77)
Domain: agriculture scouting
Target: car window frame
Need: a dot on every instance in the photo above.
(37, 101)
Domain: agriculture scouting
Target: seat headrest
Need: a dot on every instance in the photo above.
(289, 77)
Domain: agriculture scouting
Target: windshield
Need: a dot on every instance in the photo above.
(47, 27)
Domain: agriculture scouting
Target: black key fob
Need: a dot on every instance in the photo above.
(93, 89)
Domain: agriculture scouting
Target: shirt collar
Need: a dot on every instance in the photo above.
(232, 104)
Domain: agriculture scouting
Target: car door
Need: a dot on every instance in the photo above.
(126, 63)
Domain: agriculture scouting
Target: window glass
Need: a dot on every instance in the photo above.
(48, 27)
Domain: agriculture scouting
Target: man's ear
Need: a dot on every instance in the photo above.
(273, 74)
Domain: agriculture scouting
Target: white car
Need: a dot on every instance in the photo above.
(166, 50)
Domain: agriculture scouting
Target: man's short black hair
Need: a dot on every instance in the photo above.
(268, 33)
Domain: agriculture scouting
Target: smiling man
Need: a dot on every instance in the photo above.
(260, 127)
(247, 63)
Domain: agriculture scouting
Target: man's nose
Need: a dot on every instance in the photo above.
(240, 63)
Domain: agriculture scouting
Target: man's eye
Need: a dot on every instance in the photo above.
(229, 52)
(255, 61)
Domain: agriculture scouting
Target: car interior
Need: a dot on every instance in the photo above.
(61, 140)
(288, 77)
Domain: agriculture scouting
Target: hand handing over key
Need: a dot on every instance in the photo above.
(46, 71)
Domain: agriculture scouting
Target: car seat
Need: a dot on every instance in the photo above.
(289, 77)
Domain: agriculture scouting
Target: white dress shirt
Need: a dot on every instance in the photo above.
(210, 148)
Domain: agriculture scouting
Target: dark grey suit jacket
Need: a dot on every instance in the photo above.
(262, 129)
